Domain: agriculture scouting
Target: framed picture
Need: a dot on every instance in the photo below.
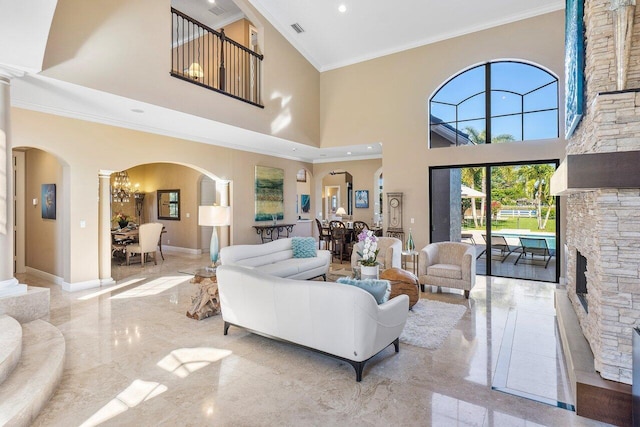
(362, 198)
(305, 203)
(574, 65)
(301, 176)
(269, 193)
(48, 197)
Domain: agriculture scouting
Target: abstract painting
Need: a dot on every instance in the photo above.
(574, 65)
(48, 197)
(269, 201)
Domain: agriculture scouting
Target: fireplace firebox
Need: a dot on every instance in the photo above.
(581, 280)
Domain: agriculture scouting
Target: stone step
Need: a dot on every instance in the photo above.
(10, 345)
(36, 376)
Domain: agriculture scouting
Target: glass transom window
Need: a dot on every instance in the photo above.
(492, 103)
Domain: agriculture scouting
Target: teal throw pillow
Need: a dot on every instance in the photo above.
(380, 289)
(303, 247)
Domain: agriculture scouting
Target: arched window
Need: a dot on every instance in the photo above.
(520, 101)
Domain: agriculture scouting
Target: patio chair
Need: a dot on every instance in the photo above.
(535, 247)
(499, 243)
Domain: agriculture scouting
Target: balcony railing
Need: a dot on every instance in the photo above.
(206, 57)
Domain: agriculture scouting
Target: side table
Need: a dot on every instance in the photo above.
(413, 255)
(206, 302)
(402, 282)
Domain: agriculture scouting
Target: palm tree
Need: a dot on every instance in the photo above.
(481, 138)
(538, 187)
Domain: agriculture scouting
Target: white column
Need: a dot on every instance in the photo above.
(222, 188)
(8, 283)
(104, 227)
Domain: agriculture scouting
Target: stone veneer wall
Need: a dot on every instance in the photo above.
(604, 225)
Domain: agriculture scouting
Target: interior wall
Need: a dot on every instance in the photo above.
(43, 242)
(86, 148)
(363, 172)
(139, 61)
(386, 100)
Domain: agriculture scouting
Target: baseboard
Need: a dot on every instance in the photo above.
(190, 251)
(44, 275)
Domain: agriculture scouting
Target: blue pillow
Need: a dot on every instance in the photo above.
(380, 289)
(303, 247)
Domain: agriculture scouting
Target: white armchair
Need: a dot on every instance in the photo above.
(390, 254)
(448, 264)
(148, 238)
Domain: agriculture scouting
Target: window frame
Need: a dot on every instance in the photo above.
(453, 125)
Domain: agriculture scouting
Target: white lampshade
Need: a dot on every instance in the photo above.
(341, 211)
(214, 215)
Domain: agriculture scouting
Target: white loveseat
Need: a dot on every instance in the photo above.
(276, 258)
(340, 320)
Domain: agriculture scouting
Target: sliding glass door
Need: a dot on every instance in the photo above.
(505, 211)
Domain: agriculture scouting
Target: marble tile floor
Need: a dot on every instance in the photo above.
(134, 358)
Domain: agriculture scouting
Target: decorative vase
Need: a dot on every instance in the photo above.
(410, 245)
(123, 224)
(370, 271)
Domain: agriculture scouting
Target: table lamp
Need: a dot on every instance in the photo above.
(213, 216)
(341, 211)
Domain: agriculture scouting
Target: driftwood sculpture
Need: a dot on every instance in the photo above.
(207, 302)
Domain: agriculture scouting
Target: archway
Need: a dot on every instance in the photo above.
(195, 187)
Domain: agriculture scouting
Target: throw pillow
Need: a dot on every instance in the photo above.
(303, 247)
(380, 289)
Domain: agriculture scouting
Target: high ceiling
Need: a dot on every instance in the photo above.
(367, 29)
(372, 28)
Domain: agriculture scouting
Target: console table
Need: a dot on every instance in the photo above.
(271, 232)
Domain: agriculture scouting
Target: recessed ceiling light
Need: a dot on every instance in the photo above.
(369, 147)
(294, 148)
(348, 153)
(342, 8)
(137, 110)
(212, 1)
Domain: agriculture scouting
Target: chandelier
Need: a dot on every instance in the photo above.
(121, 189)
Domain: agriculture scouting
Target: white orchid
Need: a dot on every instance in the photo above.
(369, 248)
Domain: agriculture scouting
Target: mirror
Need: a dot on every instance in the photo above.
(169, 204)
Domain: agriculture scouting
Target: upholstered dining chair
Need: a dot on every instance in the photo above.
(338, 238)
(358, 226)
(324, 235)
(148, 238)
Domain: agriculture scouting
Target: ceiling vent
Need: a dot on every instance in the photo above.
(297, 27)
(217, 10)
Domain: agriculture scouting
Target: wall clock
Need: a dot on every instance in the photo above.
(394, 209)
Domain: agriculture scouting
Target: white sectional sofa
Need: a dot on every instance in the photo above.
(276, 258)
(335, 319)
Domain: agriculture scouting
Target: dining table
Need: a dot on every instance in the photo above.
(121, 237)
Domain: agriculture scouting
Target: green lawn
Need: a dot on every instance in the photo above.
(522, 223)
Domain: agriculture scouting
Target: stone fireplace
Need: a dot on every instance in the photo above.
(601, 182)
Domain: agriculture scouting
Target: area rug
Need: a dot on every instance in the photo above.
(430, 323)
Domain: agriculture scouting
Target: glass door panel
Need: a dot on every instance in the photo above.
(505, 211)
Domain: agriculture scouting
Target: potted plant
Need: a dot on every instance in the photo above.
(369, 263)
(121, 219)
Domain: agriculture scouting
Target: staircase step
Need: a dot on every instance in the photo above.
(10, 345)
(33, 381)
